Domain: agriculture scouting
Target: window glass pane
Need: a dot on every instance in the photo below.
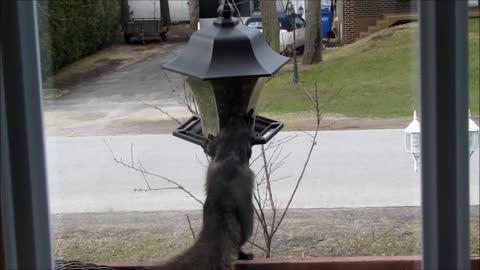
(123, 189)
(474, 90)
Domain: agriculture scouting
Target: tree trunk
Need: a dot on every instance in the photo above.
(194, 7)
(165, 12)
(125, 14)
(271, 29)
(313, 36)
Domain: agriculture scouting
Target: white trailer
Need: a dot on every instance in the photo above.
(144, 9)
(179, 11)
(145, 18)
(150, 9)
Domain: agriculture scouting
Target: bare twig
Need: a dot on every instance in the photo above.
(238, 10)
(189, 100)
(191, 229)
(131, 152)
(144, 176)
(154, 189)
(257, 246)
(143, 170)
(164, 112)
(307, 161)
(269, 187)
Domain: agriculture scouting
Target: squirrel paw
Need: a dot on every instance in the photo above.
(245, 256)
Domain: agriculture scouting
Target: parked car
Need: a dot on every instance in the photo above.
(287, 25)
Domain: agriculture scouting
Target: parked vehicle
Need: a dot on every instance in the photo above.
(144, 21)
(287, 25)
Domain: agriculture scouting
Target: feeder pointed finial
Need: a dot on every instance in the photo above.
(415, 115)
(225, 13)
(226, 10)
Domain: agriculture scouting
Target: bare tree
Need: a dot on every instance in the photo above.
(165, 12)
(271, 29)
(194, 8)
(313, 35)
(269, 213)
(264, 199)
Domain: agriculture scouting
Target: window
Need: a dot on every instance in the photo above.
(95, 130)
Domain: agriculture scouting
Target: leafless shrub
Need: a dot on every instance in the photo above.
(271, 158)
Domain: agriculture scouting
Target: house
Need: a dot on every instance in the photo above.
(359, 18)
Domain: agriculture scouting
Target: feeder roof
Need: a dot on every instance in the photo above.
(226, 49)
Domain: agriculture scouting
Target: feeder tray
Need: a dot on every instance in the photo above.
(77, 265)
(191, 130)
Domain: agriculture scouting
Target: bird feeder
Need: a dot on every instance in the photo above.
(225, 63)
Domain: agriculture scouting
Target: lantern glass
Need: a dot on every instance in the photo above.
(412, 143)
(415, 143)
(408, 142)
(472, 141)
(218, 99)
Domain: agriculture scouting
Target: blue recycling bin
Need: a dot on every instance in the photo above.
(326, 21)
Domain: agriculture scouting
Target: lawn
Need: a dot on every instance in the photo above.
(377, 76)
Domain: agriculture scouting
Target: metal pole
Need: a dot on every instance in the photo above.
(296, 78)
(23, 179)
(444, 101)
(292, 16)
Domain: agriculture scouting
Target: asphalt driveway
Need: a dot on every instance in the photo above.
(118, 99)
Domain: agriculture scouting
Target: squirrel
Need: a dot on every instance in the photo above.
(228, 209)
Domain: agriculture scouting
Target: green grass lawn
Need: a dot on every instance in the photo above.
(377, 76)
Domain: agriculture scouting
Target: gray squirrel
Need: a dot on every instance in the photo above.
(228, 209)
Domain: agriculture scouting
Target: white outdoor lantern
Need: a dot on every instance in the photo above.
(412, 140)
(472, 135)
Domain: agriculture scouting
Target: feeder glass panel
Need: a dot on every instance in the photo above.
(207, 105)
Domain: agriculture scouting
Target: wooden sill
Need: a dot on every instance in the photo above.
(325, 263)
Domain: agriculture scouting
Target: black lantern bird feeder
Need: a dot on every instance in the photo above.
(225, 63)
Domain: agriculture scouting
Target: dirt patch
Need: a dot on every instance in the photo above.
(133, 237)
(107, 60)
(110, 59)
(307, 121)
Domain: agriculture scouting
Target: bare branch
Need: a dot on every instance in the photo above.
(280, 179)
(238, 11)
(143, 170)
(189, 100)
(269, 187)
(261, 217)
(131, 152)
(164, 112)
(201, 162)
(306, 133)
(257, 246)
(153, 189)
(307, 161)
(191, 229)
(143, 174)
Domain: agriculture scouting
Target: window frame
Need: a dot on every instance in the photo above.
(24, 195)
(444, 134)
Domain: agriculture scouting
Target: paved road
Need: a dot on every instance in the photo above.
(362, 168)
(115, 100)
